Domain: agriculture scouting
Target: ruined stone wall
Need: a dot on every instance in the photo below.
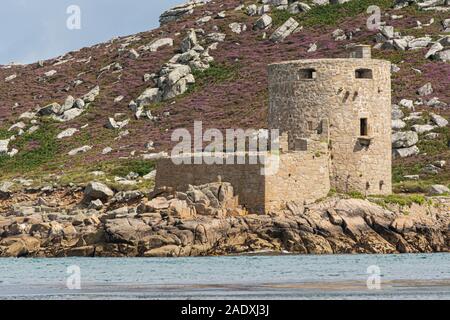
(300, 177)
(303, 177)
(246, 179)
(305, 93)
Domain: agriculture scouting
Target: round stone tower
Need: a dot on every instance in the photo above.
(350, 100)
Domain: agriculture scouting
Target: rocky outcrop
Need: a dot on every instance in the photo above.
(388, 38)
(179, 11)
(419, 125)
(285, 30)
(97, 190)
(207, 220)
(264, 22)
(158, 44)
(436, 5)
(175, 76)
(439, 189)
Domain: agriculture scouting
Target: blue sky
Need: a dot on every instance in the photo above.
(31, 30)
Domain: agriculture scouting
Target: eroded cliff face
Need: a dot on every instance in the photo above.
(207, 220)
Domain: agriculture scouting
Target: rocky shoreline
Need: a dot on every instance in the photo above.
(207, 221)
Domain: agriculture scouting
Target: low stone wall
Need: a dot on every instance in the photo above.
(246, 179)
(302, 177)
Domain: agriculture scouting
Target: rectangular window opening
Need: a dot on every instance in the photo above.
(363, 74)
(307, 74)
(364, 132)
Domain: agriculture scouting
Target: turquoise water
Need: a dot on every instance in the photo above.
(424, 276)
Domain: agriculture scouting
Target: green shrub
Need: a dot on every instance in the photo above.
(333, 14)
(4, 134)
(438, 145)
(124, 167)
(216, 73)
(280, 16)
(356, 195)
(330, 15)
(411, 187)
(399, 171)
(402, 200)
(35, 150)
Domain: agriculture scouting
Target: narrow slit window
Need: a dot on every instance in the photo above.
(364, 132)
(363, 74)
(310, 125)
(307, 74)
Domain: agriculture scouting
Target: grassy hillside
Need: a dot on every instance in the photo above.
(232, 93)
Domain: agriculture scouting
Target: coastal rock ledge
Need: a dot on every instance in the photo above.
(207, 220)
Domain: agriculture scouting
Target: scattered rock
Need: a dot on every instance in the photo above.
(264, 22)
(27, 116)
(10, 78)
(435, 48)
(216, 37)
(432, 136)
(50, 109)
(312, 47)
(17, 127)
(285, 30)
(158, 44)
(238, 27)
(425, 90)
(440, 163)
(439, 120)
(221, 15)
(5, 190)
(439, 189)
(414, 177)
(96, 205)
(407, 104)
(97, 191)
(118, 99)
(397, 113)
(405, 152)
(422, 128)
(150, 176)
(117, 125)
(179, 11)
(50, 73)
(68, 115)
(404, 139)
(133, 54)
(67, 133)
(252, 10)
(398, 124)
(204, 20)
(148, 97)
(76, 151)
(107, 150)
(155, 156)
(91, 95)
(430, 169)
(189, 42)
(4, 146)
(436, 103)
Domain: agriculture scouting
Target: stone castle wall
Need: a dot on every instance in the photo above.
(306, 94)
(301, 177)
(246, 179)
